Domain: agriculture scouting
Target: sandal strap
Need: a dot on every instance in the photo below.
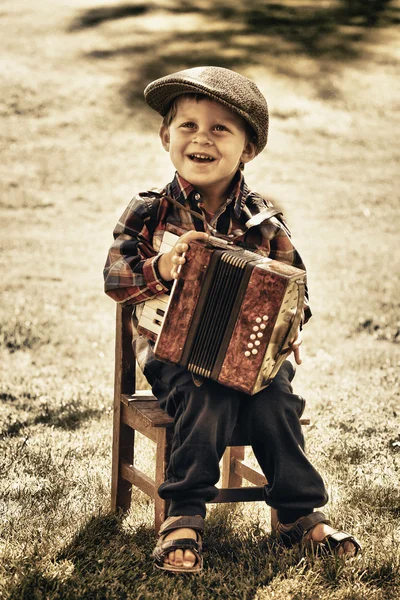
(338, 538)
(180, 544)
(303, 525)
(189, 522)
(164, 548)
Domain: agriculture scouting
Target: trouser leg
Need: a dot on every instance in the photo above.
(271, 419)
(204, 418)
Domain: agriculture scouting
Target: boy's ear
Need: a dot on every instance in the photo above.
(249, 152)
(164, 137)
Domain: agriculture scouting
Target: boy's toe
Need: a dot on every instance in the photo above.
(347, 549)
(189, 559)
(178, 557)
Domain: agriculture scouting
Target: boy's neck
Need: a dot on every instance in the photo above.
(212, 205)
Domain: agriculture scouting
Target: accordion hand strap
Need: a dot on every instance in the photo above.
(258, 218)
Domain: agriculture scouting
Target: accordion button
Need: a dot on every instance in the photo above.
(262, 326)
(254, 351)
(250, 345)
(252, 336)
(256, 328)
(265, 318)
(257, 343)
(247, 353)
(260, 335)
(258, 320)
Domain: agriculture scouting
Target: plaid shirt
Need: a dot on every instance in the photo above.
(131, 274)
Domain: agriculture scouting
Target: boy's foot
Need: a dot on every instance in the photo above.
(179, 544)
(178, 557)
(321, 531)
(315, 532)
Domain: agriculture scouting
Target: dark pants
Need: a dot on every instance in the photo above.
(205, 417)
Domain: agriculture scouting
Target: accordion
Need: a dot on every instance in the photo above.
(229, 317)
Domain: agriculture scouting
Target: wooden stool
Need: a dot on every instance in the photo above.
(139, 411)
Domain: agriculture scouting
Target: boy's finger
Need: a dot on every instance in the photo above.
(190, 236)
(298, 355)
(178, 260)
(181, 247)
(195, 235)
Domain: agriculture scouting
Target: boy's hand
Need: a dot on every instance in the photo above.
(170, 262)
(294, 345)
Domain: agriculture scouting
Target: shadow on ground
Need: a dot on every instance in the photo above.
(69, 417)
(106, 560)
(179, 34)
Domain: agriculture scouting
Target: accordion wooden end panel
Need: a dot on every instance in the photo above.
(182, 306)
(230, 315)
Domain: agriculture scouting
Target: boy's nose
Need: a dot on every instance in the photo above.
(201, 138)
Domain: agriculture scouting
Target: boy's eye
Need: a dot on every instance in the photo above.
(189, 125)
(220, 128)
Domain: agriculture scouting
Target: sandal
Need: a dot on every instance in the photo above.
(163, 548)
(297, 534)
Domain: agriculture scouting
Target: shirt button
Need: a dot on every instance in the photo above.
(197, 196)
(159, 287)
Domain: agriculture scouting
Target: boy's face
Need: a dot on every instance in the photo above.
(206, 142)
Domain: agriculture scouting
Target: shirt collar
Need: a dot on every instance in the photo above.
(181, 190)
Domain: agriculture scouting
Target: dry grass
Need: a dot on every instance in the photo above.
(72, 155)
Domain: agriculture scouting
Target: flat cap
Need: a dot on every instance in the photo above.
(236, 91)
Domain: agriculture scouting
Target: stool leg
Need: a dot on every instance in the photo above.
(229, 477)
(162, 459)
(274, 519)
(123, 442)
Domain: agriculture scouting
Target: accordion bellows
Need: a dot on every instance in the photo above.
(230, 315)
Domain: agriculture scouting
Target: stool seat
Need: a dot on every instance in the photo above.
(146, 408)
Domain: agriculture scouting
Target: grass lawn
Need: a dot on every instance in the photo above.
(77, 142)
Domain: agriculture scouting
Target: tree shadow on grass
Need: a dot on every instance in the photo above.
(237, 35)
(70, 416)
(106, 560)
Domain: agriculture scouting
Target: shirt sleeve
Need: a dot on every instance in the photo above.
(131, 274)
(281, 248)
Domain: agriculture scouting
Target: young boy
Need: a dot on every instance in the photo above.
(214, 122)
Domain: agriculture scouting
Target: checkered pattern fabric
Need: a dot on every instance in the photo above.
(131, 274)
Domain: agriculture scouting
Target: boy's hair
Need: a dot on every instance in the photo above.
(173, 109)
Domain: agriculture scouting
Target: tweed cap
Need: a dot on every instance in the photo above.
(236, 91)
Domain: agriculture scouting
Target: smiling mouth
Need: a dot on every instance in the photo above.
(201, 158)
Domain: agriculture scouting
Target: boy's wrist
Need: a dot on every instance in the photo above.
(162, 266)
(154, 280)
